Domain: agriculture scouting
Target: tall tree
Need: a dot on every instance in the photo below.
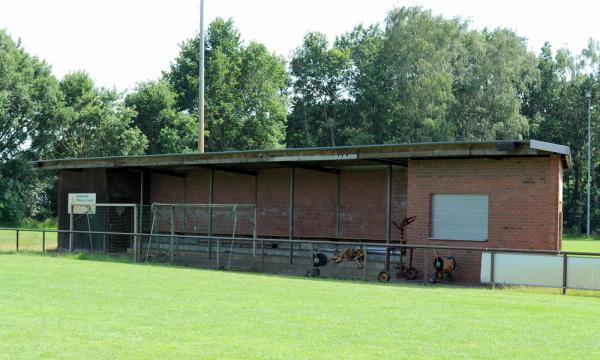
(167, 129)
(97, 122)
(319, 74)
(30, 101)
(30, 118)
(245, 89)
(493, 72)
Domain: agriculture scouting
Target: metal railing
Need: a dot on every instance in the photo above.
(258, 244)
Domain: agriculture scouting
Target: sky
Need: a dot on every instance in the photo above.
(123, 42)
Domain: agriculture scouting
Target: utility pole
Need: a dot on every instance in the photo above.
(588, 95)
(201, 82)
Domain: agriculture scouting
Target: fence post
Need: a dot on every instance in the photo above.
(564, 287)
(492, 258)
(210, 211)
(44, 241)
(71, 235)
(262, 255)
(365, 262)
(218, 254)
(172, 233)
(136, 238)
(104, 243)
(254, 227)
(291, 214)
(17, 239)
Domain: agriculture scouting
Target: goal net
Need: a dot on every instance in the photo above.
(85, 220)
(198, 234)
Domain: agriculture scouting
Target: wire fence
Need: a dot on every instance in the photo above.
(335, 259)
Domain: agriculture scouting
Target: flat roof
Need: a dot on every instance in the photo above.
(324, 157)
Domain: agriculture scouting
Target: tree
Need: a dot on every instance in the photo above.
(319, 74)
(97, 122)
(167, 130)
(30, 118)
(30, 101)
(234, 119)
(559, 105)
(492, 74)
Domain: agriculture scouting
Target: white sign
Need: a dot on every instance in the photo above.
(82, 203)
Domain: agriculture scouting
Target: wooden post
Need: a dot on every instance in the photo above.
(17, 239)
(291, 215)
(171, 247)
(210, 201)
(136, 236)
(365, 263)
(388, 214)
(218, 254)
(71, 230)
(337, 204)
(262, 255)
(43, 241)
(255, 218)
(141, 214)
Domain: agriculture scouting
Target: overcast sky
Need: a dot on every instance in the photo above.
(122, 42)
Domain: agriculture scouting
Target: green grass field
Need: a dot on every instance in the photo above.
(581, 243)
(27, 240)
(56, 307)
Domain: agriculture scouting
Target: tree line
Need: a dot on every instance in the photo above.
(416, 77)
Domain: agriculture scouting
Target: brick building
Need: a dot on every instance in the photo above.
(505, 194)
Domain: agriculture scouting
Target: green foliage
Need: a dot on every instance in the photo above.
(30, 101)
(97, 122)
(417, 77)
(559, 106)
(421, 78)
(319, 73)
(167, 130)
(245, 90)
(15, 201)
(492, 74)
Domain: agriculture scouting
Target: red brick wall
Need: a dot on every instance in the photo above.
(166, 189)
(197, 187)
(399, 198)
(362, 199)
(273, 202)
(231, 188)
(363, 202)
(523, 208)
(314, 204)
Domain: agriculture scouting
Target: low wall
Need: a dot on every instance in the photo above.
(541, 270)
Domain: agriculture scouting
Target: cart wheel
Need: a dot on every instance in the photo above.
(412, 274)
(383, 276)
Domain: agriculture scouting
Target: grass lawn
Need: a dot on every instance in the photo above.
(55, 307)
(581, 243)
(27, 240)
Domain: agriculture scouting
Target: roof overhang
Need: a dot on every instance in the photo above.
(326, 158)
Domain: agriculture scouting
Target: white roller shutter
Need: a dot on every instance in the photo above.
(459, 217)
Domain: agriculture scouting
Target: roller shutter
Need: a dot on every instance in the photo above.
(459, 217)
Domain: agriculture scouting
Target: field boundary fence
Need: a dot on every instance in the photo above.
(496, 266)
